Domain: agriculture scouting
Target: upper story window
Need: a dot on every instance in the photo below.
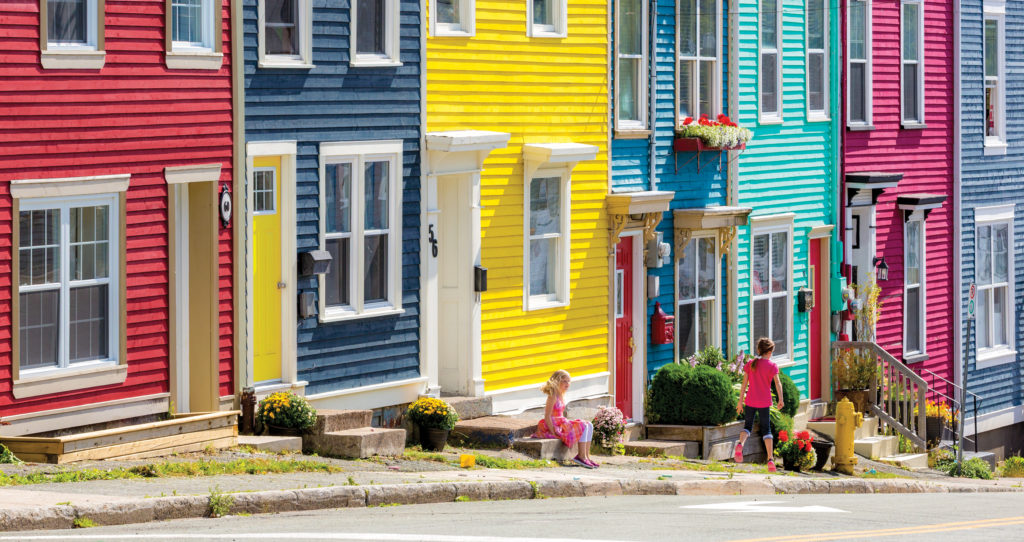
(285, 33)
(995, 81)
(375, 33)
(699, 49)
(697, 295)
(547, 240)
(817, 59)
(859, 63)
(546, 18)
(912, 62)
(771, 288)
(192, 25)
(453, 17)
(993, 259)
(914, 323)
(361, 228)
(631, 69)
(71, 34)
(770, 73)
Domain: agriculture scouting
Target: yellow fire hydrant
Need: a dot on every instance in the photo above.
(847, 421)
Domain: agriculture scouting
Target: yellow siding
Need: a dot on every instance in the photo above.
(541, 90)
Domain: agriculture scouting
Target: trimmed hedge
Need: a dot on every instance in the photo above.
(701, 395)
(790, 395)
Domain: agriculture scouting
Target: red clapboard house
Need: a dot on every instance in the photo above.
(115, 266)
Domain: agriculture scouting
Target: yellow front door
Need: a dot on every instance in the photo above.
(267, 279)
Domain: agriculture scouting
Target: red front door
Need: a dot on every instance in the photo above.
(815, 320)
(624, 343)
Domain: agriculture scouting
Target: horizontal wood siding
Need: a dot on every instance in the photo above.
(335, 102)
(541, 90)
(132, 116)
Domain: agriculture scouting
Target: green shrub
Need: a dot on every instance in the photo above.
(940, 459)
(974, 467)
(1013, 467)
(780, 422)
(663, 394)
(790, 395)
(711, 356)
(691, 396)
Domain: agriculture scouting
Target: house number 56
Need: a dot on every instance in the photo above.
(432, 240)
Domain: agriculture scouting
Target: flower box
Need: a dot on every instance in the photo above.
(696, 144)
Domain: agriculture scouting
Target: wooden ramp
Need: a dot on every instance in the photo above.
(190, 432)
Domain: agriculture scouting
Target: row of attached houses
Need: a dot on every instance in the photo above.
(365, 201)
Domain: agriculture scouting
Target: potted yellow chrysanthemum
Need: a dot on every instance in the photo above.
(435, 419)
(284, 412)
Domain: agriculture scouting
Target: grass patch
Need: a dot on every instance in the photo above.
(1013, 467)
(219, 504)
(462, 498)
(877, 474)
(83, 523)
(484, 461)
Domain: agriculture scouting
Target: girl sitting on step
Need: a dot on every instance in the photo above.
(573, 433)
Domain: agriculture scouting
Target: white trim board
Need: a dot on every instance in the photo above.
(520, 398)
(370, 397)
(62, 418)
(991, 421)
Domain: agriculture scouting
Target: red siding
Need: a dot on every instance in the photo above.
(925, 158)
(133, 116)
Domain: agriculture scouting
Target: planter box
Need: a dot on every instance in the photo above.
(716, 441)
(183, 433)
(695, 144)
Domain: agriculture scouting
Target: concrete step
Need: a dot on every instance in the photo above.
(908, 461)
(470, 408)
(634, 431)
(544, 448)
(800, 421)
(876, 446)
(817, 409)
(361, 442)
(868, 428)
(664, 448)
(271, 444)
(332, 421)
(491, 431)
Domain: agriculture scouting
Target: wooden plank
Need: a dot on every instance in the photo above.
(32, 446)
(110, 437)
(128, 448)
(37, 458)
(221, 443)
(675, 432)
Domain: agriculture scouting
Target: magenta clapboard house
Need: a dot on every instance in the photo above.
(897, 169)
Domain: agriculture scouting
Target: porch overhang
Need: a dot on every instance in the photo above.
(725, 219)
(555, 155)
(863, 185)
(461, 151)
(924, 203)
(648, 204)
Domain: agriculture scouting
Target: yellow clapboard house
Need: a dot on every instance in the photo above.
(516, 250)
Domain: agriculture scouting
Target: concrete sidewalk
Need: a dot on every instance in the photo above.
(401, 481)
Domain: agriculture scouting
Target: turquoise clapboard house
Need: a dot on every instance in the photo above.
(787, 94)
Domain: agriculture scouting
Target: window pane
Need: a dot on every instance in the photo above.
(38, 329)
(39, 246)
(780, 262)
(910, 96)
(769, 83)
(687, 279)
(370, 27)
(759, 279)
(687, 330)
(66, 21)
(983, 319)
(815, 24)
(858, 30)
(761, 320)
(627, 88)
(780, 325)
(991, 103)
(707, 88)
(913, 316)
(706, 323)
(1000, 262)
(88, 335)
(264, 192)
(630, 27)
(910, 32)
(282, 37)
(545, 207)
(543, 260)
(858, 94)
(706, 266)
(708, 29)
(913, 264)
(375, 278)
(999, 315)
(685, 86)
(89, 240)
(983, 255)
(448, 11)
(187, 17)
(816, 81)
(339, 198)
(688, 27)
(336, 281)
(769, 19)
(543, 12)
(376, 195)
(991, 48)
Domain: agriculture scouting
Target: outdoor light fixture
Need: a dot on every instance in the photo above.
(882, 268)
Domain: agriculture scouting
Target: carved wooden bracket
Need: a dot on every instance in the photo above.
(618, 224)
(651, 221)
(683, 237)
(728, 234)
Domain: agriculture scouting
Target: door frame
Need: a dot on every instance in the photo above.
(639, 322)
(823, 236)
(286, 150)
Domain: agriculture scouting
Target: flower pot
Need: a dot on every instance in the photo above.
(279, 431)
(433, 439)
(696, 144)
(791, 466)
(860, 398)
(933, 427)
(822, 448)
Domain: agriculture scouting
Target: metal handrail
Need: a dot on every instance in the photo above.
(974, 400)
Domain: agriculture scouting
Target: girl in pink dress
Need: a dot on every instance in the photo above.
(574, 433)
(756, 398)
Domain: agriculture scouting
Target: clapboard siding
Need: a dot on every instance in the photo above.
(988, 181)
(925, 158)
(335, 102)
(132, 116)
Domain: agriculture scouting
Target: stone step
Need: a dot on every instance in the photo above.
(361, 442)
(817, 409)
(470, 408)
(868, 428)
(800, 421)
(491, 431)
(271, 444)
(876, 446)
(664, 448)
(634, 431)
(907, 461)
(332, 421)
(544, 448)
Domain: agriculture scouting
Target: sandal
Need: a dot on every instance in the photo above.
(737, 454)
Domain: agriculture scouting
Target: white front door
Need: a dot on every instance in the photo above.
(458, 305)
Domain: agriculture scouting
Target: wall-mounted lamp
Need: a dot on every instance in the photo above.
(882, 268)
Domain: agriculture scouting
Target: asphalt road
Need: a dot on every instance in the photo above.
(932, 517)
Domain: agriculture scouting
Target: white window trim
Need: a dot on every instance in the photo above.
(358, 153)
(641, 94)
(996, 145)
(868, 70)
(716, 317)
(561, 296)
(465, 28)
(814, 115)
(91, 29)
(716, 91)
(916, 216)
(208, 31)
(392, 37)
(762, 225)
(920, 121)
(76, 56)
(558, 30)
(777, 117)
(991, 357)
(304, 60)
(276, 191)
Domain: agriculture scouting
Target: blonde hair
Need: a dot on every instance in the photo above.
(764, 346)
(551, 387)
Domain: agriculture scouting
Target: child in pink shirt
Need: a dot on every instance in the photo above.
(756, 398)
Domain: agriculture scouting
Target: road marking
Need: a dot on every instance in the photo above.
(384, 537)
(759, 506)
(898, 531)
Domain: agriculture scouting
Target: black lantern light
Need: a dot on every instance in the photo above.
(882, 268)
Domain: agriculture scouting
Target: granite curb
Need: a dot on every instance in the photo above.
(264, 502)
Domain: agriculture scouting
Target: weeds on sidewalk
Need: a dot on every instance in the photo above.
(485, 461)
(220, 503)
(83, 523)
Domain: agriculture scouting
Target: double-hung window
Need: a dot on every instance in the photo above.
(375, 33)
(771, 291)
(285, 33)
(697, 296)
(993, 257)
(817, 59)
(631, 68)
(72, 34)
(858, 33)
(995, 82)
(770, 73)
(453, 17)
(698, 44)
(912, 62)
(192, 25)
(360, 226)
(547, 240)
(546, 18)
(914, 321)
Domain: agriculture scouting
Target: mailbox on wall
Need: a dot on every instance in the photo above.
(663, 326)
